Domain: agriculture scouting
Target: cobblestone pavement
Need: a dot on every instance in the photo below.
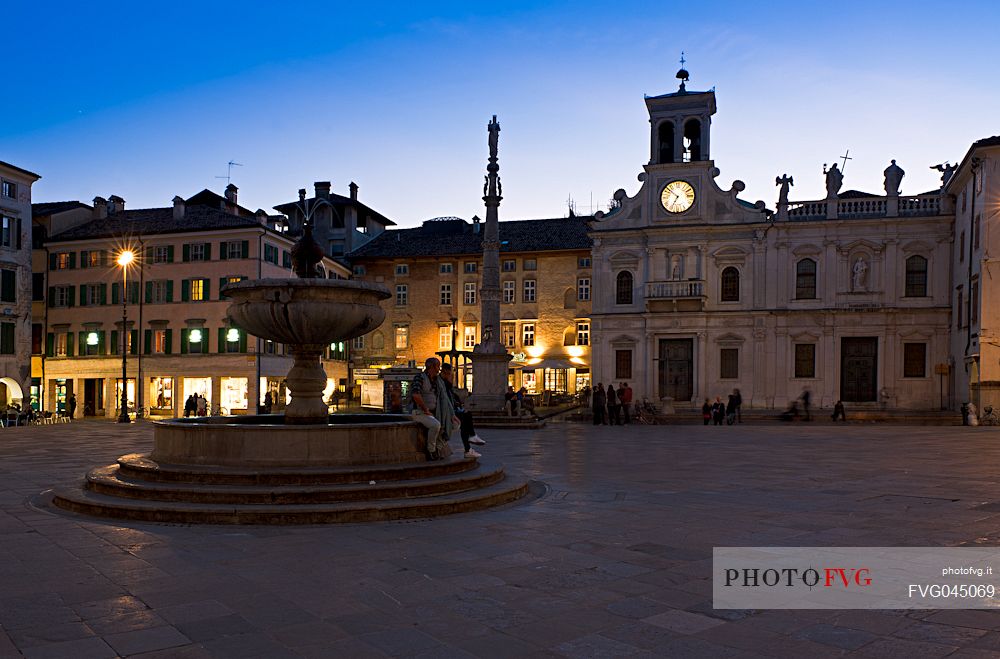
(613, 561)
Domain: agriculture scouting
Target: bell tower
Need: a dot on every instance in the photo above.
(680, 124)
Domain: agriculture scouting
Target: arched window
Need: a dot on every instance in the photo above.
(692, 140)
(730, 285)
(623, 288)
(665, 133)
(916, 277)
(805, 280)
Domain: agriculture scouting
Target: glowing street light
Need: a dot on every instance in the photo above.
(124, 260)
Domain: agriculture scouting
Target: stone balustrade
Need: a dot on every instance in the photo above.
(864, 207)
(675, 290)
(928, 204)
(807, 210)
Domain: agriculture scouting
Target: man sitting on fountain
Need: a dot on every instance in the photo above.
(424, 393)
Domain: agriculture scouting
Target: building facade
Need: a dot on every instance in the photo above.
(15, 284)
(434, 274)
(975, 330)
(698, 293)
(177, 335)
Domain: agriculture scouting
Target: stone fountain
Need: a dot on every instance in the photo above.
(305, 466)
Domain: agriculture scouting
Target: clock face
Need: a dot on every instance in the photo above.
(677, 196)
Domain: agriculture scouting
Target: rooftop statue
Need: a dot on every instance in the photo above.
(785, 181)
(834, 181)
(946, 172)
(893, 176)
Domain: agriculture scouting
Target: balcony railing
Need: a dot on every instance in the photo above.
(922, 205)
(675, 290)
(864, 207)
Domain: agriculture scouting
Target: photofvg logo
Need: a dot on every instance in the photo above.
(854, 577)
(790, 577)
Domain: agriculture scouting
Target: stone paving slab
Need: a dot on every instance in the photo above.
(613, 561)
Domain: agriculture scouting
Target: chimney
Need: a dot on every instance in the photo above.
(178, 208)
(231, 196)
(322, 190)
(100, 208)
(261, 216)
(115, 204)
(302, 194)
(354, 191)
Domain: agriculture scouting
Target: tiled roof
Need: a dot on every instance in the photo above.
(290, 207)
(460, 239)
(19, 169)
(987, 141)
(53, 207)
(153, 221)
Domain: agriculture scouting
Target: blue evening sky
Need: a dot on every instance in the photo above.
(149, 100)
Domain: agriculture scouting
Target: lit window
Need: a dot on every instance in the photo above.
(95, 258)
(197, 290)
(469, 333)
(159, 341)
(61, 343)
(63, 261)
(508, 334)
(402, 337)
(444, 337)
(583, 334)
(470, 292)
(528, 334)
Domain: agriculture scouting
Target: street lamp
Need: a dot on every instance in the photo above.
(124, 260)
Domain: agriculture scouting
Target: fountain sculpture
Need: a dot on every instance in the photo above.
(306, 466)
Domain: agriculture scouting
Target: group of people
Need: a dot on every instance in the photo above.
(196, 405)
(516, 401)
(731, 411)
(439, 408)
(611, 406)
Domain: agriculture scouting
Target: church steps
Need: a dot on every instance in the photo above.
(109, 481)
(84, 501)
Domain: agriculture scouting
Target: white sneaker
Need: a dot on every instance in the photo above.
(473, 453)
(477, 440)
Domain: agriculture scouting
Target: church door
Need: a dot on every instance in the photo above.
(677, 368)
(858, 369)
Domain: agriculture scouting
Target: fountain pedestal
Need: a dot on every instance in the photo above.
(306, 382)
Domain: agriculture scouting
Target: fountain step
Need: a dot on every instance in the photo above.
(110, 481)
(139, 466)
(80, 500)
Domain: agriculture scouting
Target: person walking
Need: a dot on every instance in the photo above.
(600, 401)
(838, 412)
(424, 393)
(806, 397)
(706, 412)
(625, 398)
(731, 407)
(613, 408)
(737, 397)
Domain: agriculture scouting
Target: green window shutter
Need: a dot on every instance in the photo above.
(72, 260)
(184, 340)
(135, 341)
(52, 295)
(207, 284)
(222, 282)
(83, 343)
(134, 295)
(69, 344)
(52, 262)
(19, 233)
(186, 253)
(222, 339)
(245, 248)
(83, 259)
(170, 290)
(286, 258)
(100, 342)
(104, 293)
(170, 253)
(185, 290)
(243, 341)
(208, 251)
(223, 252)
(149, 292)
(169, 337)
(147, 342)
(150, 253)
(114, 342)
(50, 344)
(83, 294)
(71, 291)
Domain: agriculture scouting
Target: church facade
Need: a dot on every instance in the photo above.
(698, 292)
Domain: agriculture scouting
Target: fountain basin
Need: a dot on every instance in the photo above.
(267, 441)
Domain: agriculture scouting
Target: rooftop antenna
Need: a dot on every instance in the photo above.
(571, 205)
(229, 171)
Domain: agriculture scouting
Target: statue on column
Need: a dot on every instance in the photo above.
(834, 181)
(785, 182)
(860, 271)
(893, 176)
(494, 129)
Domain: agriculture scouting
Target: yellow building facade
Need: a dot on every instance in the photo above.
(434, 275)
